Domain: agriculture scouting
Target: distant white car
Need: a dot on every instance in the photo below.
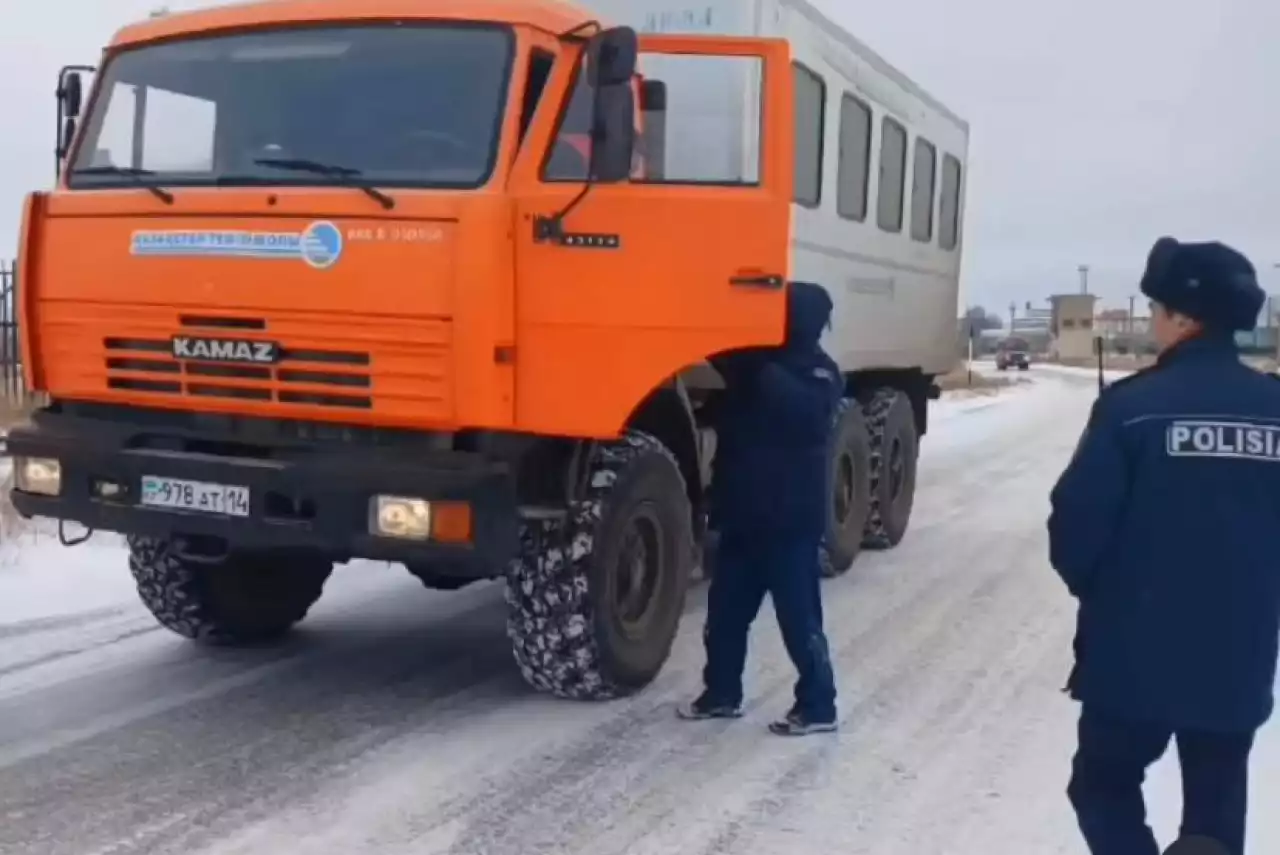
(1006, 359)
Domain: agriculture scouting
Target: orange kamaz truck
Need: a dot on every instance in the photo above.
(435, 282)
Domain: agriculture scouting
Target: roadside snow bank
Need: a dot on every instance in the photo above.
(40, 578)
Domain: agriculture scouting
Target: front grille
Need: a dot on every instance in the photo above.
(300, 376)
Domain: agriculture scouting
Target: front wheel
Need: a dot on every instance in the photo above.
(594, 600)
(243, 598)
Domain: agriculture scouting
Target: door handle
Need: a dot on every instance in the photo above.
(756, 279)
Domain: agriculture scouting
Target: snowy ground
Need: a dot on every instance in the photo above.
(394, 722)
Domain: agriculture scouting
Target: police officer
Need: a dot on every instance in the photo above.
(769, 494)
(1166, 527)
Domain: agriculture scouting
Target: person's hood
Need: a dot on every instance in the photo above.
(808, 314)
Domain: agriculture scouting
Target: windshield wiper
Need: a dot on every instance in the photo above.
(343, 175)
(132, 173)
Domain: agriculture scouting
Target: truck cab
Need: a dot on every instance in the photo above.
(392, 280)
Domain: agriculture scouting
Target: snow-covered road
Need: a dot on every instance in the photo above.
(394, 721)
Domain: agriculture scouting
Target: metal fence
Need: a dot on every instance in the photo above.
(13, 390)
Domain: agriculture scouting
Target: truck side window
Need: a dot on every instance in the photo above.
(949, 210)
(853, 168)
(570, 148)
(708, 133)
(540, 62)
(924, 174)
(893, 175)
(810, 119)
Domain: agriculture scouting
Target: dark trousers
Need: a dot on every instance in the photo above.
(746, 569)
(1111, 764)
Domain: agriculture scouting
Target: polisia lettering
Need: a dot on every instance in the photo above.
(1190, 438)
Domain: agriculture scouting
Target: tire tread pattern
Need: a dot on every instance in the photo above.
(876, 409)
(177, 593)
(551, 618)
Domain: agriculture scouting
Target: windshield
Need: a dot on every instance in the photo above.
(396, 105)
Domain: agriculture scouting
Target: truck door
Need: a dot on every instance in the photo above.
(653, 275)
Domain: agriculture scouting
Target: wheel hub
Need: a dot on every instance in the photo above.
(897, 468)
(844, 488)
(636, 573)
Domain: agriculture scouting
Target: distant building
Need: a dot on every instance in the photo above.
(1071, 325)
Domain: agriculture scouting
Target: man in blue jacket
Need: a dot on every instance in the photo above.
(770, 489)
(1166, 527)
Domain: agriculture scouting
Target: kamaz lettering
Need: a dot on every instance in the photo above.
(226, 350)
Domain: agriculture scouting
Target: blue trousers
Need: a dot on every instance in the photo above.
(1110, 766)
(747, 569)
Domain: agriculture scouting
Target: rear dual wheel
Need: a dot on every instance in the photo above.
(850, 478)
(873, 478)
(895, 447)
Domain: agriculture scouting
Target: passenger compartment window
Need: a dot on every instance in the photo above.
(949, 210)
(697, 138)
(893, 174)
(853, 169)
(924, 175)
(810, 121)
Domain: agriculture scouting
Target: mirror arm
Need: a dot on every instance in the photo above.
(551, 228)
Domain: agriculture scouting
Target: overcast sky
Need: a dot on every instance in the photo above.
(1097, 125)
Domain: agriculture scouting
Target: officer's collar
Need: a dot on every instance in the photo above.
(1205, 345)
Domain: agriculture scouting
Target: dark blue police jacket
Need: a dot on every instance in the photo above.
(773, 425)
(1166, 527)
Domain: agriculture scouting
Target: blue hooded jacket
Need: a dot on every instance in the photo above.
(773, 427)
(1166, 527)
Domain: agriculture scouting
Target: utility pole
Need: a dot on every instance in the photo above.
(1013, 311)
(1131, 302)
(1270, 315)
(1084, 278)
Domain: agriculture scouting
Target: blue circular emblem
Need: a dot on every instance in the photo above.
(321, 245)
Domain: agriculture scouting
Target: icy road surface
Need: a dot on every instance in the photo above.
(394, 722)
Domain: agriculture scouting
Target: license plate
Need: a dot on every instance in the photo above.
(200, 496)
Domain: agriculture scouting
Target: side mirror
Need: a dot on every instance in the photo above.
(612, 56)
(613, 133)
(72, 94)
(68, 136)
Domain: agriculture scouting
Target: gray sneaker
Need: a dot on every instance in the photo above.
(799, 724)
(707, 708)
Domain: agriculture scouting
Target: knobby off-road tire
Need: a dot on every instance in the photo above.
(247, 598)
(850, 504)
(895, 447)
(594, 600)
